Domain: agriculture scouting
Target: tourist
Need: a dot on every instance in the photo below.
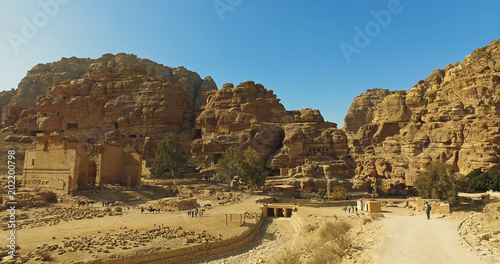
(349, 209)
(345, 209)
(428, 210)
(142, 209)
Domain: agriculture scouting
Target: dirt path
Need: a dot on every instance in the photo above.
(414, 239)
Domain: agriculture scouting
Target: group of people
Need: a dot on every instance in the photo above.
(196, 212)
(351, 209)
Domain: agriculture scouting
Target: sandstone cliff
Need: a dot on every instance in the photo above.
(452, 116)
(5, 97)
(115, 97)
(298, 144)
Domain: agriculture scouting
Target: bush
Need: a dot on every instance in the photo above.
(44, 254)
(118, 209)
(440, 182)
(329, 244)
(49, 196)
(480, 181)
(339, 193)
(287, 256)
(376, 216)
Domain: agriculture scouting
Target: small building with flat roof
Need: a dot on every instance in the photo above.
(368, 205)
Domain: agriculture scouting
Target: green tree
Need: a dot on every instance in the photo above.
(251, 169)
(321, 193)
(226, 166)
(440, 182)
(339, 193)
(169, 155)
(379, 189)
(129, 149)
(480, 181)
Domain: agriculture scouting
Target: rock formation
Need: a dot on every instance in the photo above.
(295, 143)
(121, 98)
(5, 97)
(452, 116)
(116, 97)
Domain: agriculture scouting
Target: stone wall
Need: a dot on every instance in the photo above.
(64, 165)
(437, 207)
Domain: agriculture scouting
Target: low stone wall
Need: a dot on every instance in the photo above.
(437, 207)
(191, 253)
(326, 204)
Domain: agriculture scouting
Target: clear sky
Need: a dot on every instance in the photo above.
(313, 54)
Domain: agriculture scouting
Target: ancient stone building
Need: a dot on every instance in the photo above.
(64, 165)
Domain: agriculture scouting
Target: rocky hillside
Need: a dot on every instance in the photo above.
(136, 101)
(115, 97)
(298, 143)
(452, 116)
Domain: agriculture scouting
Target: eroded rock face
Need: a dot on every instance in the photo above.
(38, 81)
(116, 97)
(5, 97)
(452, 116)
(292, 142)
(361, 110)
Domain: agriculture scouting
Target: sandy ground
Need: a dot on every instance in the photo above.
(401, 238)
(118, 229)
(396, 238)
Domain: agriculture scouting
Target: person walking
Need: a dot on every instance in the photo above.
(428, 210)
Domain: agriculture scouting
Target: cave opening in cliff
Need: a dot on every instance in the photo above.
(34, 132)
(197, 133)
(72, 126)
(217, 157)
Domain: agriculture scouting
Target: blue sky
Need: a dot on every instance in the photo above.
(291, 47)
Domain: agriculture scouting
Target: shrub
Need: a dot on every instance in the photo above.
(480, 181)
(339, 193)
(118, 209)
(287, 256)
(439, 182)
(44, 254)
